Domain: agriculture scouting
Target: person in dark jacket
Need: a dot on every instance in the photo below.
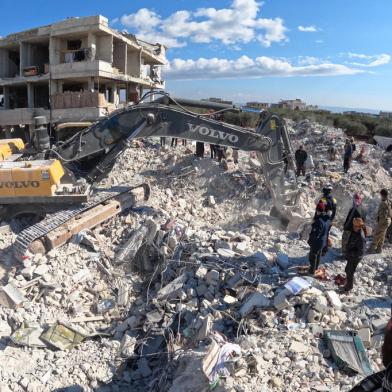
(356, 211)
(354, 252)
(348, 154)
(300, 158)
(318, 236)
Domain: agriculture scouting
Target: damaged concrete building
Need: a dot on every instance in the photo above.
(76, 70)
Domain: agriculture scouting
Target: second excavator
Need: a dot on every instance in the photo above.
(57, 182)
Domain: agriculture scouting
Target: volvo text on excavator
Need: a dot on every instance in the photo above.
(60, 181)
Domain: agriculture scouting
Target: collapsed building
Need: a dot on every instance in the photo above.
(75, 70)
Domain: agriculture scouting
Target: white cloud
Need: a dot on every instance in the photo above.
(240, 23)
(373, 61)
(247, 68)
(308, 29)
(309, 60)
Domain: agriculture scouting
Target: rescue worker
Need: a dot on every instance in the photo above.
(330, 201)
(174, 142)
(354, 250)
(356, 211)
(318, 236)
(348, 154)
(163, 141)
(300, 158)
(384, 216)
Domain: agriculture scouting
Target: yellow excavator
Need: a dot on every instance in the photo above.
(57, 182)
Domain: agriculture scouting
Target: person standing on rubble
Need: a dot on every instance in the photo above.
(300, 158)
(354, 250)
(332, 152)
(330, 209)
(384, 216)
(318, 236)
(329, 201)
(174, 142)
(356, 211)
(348, 154)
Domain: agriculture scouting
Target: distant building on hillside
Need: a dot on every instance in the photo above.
(258, 105)
(386, 114)
(218, 100)
(292, 104)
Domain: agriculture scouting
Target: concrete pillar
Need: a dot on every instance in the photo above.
(54, 51)
(30, 95)
(116, 98)
(6, 92)
(60, 85)
(92, 43)
(4, 63)
(91, 84)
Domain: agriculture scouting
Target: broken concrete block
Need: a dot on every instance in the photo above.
(229, 299)
(280, 300)
(14, 295)
(321, 304)
(241, 247)
(205, 328)
(171, 288)
(298, 347)
(283, 260)
(212, 277)
(379, 324)
(334, 299)
(366, 337)
(255, 300)
(313, 316)
(225, 252)
(5, 329)
(201, 272)
(42, 269)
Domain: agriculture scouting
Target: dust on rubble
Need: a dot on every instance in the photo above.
(211, 264)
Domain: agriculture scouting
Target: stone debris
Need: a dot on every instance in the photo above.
(148, 299)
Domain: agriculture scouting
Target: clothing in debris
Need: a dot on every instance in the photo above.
(384, 216)
(300, 158)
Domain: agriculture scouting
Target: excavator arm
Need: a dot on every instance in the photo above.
(92, 152)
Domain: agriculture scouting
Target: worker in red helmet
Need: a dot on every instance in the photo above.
(318, 236)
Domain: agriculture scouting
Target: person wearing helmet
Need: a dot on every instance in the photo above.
(357, 211)
(318, 236)
(329, 201)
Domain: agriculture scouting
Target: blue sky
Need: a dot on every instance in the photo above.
(326, 52)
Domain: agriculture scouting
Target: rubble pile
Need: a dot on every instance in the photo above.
(200, 287)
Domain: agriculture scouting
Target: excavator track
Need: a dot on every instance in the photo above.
(54, 220)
